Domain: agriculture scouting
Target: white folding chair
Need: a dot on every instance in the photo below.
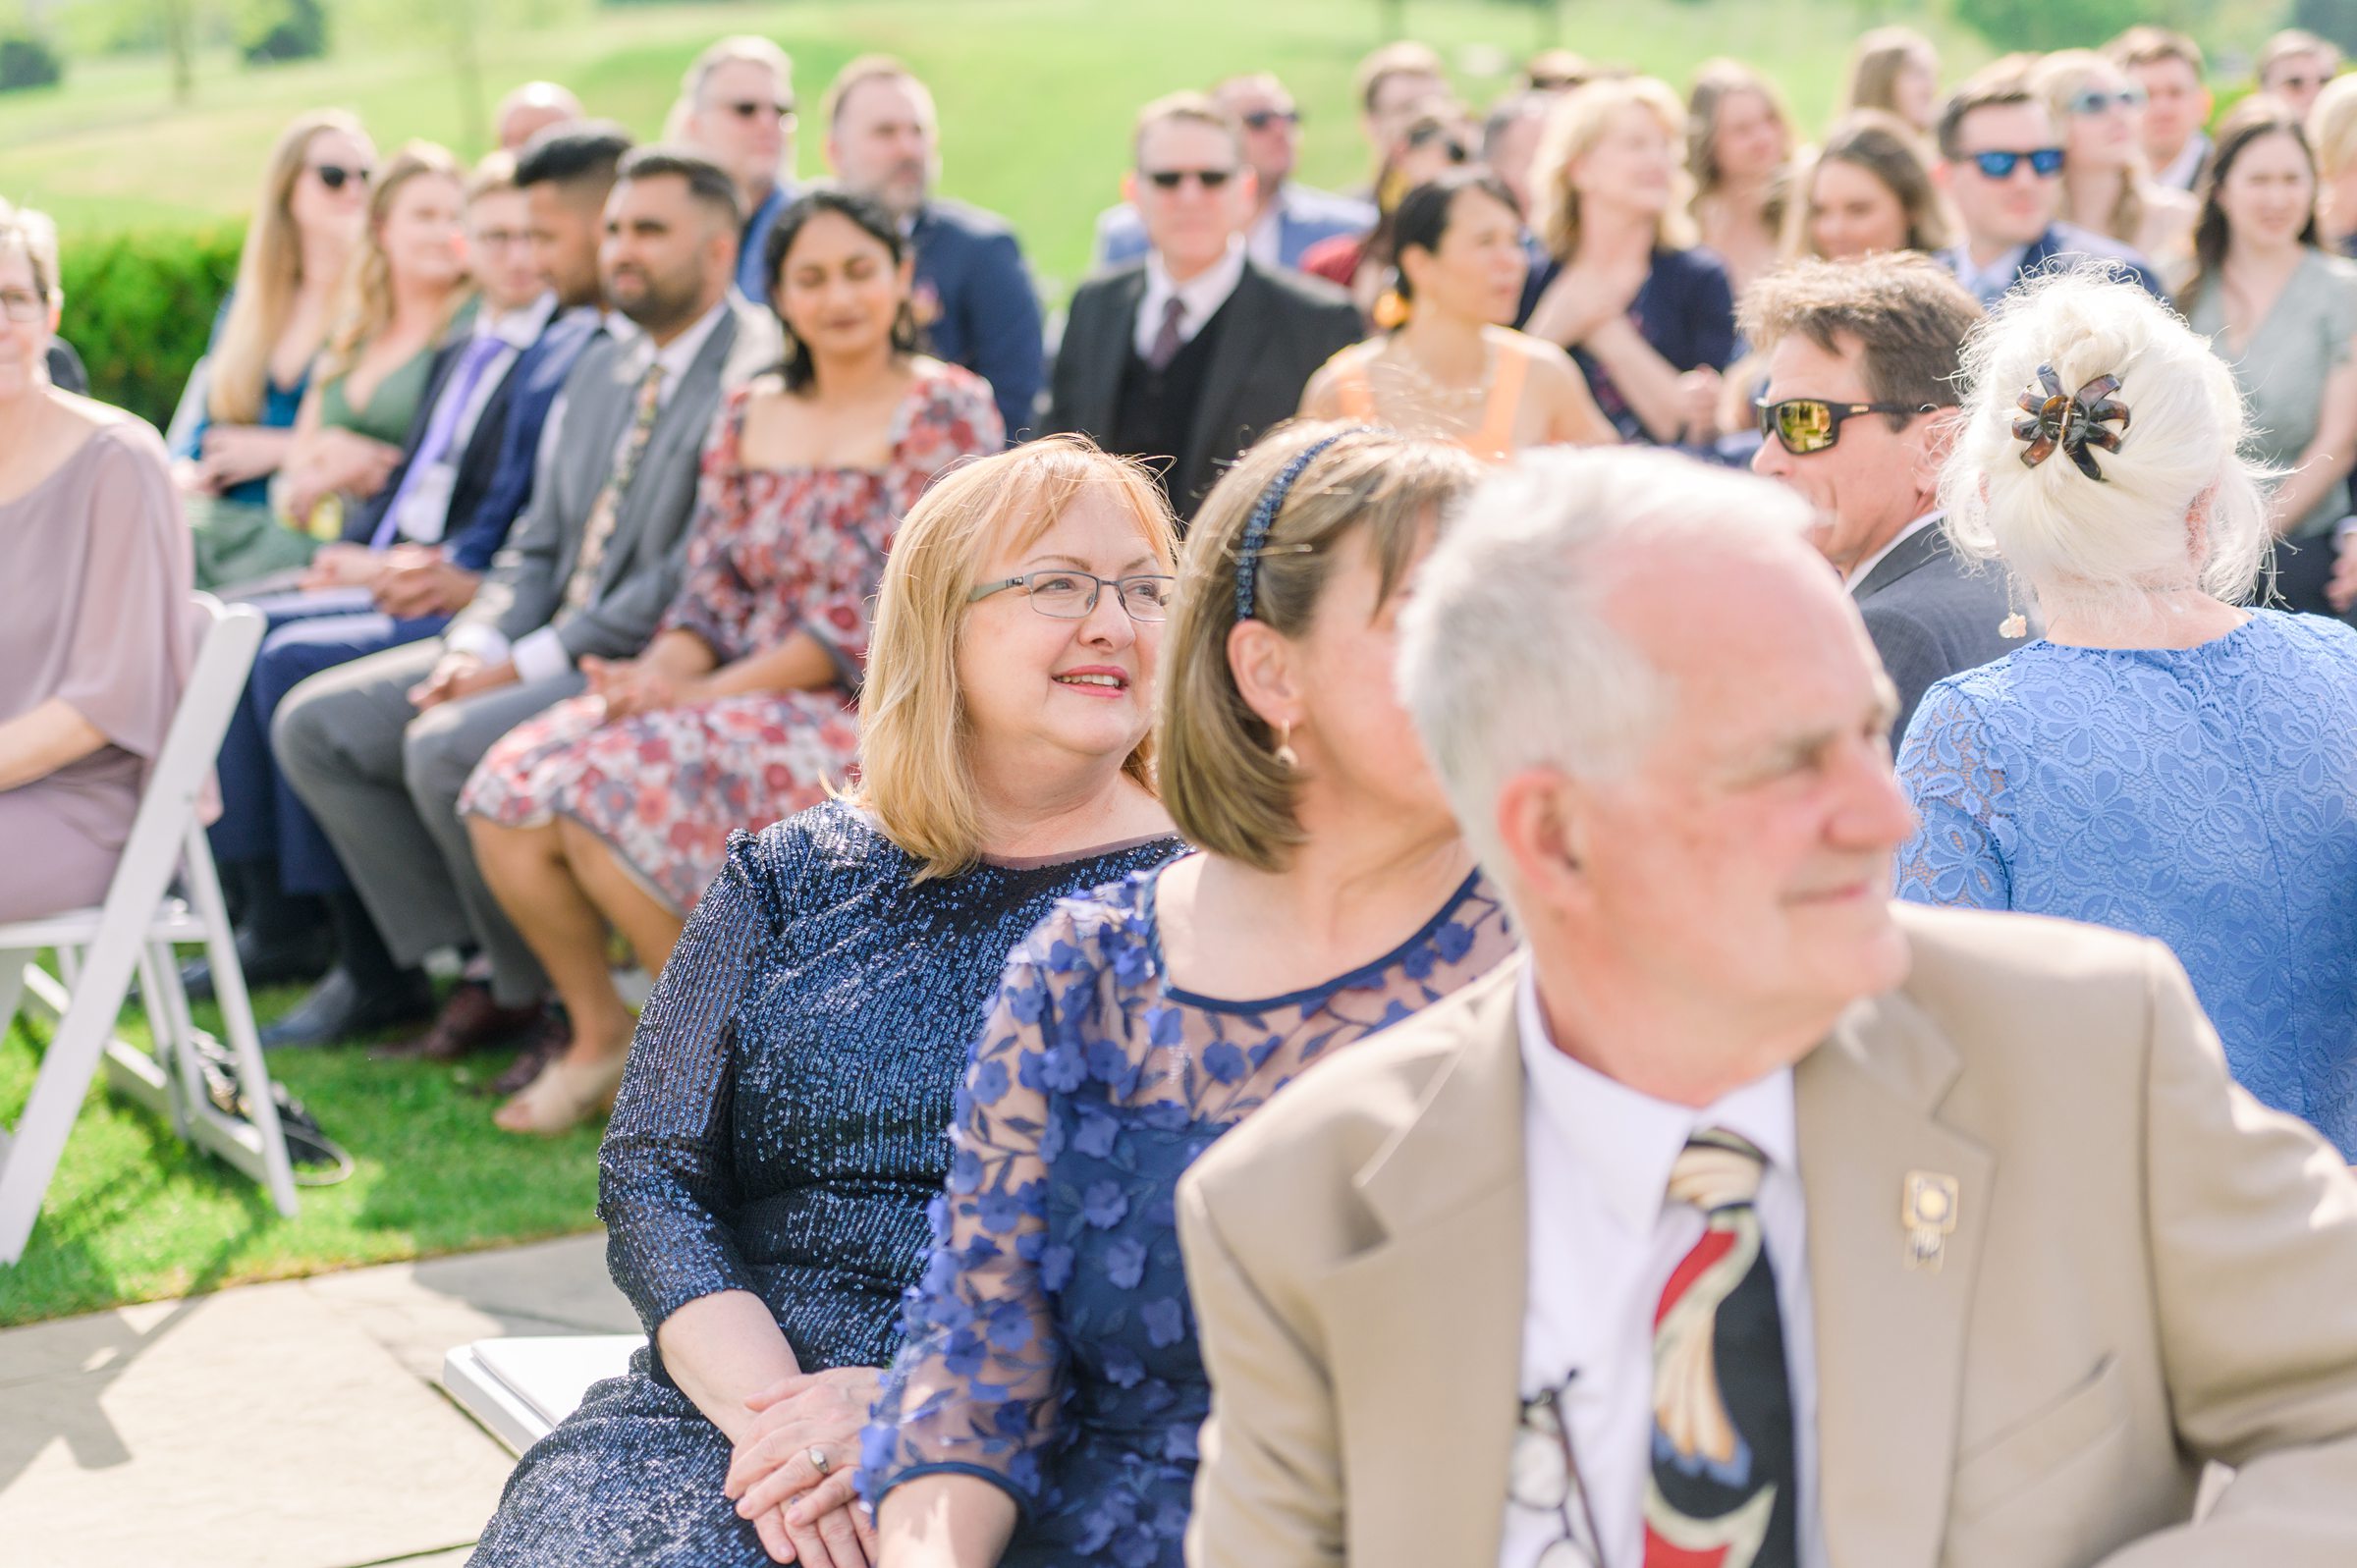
(99, 950)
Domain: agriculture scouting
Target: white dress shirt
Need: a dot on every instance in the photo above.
(1604, 1241)
(424, 515)
(1987, 284)
(540, 655)
(1199, 298)
(2186, 167)
(1865, 569)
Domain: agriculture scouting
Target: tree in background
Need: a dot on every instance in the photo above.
(2336, 19)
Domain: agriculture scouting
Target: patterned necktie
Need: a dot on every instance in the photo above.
(607, 509)
(1722, 1492)
(1167, 340)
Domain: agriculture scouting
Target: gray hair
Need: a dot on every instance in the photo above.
(2181, 471)
(1508, 657)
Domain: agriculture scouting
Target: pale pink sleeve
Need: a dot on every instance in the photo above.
(133, 632)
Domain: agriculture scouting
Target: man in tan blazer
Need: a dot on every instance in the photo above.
(1998, 1259)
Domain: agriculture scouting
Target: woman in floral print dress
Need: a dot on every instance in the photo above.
(617, 806)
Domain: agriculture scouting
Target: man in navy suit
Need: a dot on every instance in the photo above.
(973, 295)
(736, 107)
(2001, 164)
(413, 556)
(1290, 217)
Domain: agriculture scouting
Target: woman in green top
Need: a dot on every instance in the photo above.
(2282, 313)
(403, 287)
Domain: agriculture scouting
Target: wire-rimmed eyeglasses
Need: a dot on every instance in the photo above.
(1544, 1475)
(1071, 595)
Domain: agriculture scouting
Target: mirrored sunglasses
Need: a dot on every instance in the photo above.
(1805, 425)
(2045, 163)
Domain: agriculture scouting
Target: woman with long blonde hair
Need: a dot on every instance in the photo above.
(309, 214)
(400, 289)
(2106, 187)
(1649, 318)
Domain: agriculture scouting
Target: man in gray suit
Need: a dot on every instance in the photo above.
(1858, 413)
(380, 748)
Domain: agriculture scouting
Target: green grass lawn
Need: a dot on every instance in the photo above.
(135, 1215)
(1035, 95)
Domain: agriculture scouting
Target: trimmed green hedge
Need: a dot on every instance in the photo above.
(140, 308)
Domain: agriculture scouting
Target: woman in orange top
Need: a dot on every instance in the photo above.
(1453, 371)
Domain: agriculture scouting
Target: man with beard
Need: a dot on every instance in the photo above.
(379, 748)
(974, 297)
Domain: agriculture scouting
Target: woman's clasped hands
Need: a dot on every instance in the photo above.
(805, 1514)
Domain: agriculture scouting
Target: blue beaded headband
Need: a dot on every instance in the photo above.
(1254, 541)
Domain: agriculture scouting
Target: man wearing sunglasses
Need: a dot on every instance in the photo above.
(1191, 354)
(1289, 217)
(1862, 360)
(2295, 65)
(736, 107)
(2001, 166)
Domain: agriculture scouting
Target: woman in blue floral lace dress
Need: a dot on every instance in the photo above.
(1045, 1404)
(765, 1177)
(2164, 761)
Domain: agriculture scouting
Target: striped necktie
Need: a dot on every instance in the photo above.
(582, 586)
(1722, 1493)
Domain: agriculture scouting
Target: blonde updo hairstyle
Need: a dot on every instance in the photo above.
(1220, 779)
(2179, 504)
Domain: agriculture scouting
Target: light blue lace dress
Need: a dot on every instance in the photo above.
(2206, 797)
(1050, 1349)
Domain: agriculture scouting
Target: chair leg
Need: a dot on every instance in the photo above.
(168, 1029)
(12, 985)
(66, 1071)
(237, 1019)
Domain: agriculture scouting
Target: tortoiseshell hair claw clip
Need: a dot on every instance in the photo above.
(2072, 422)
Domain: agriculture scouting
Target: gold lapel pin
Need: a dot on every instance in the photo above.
(1928, 1208)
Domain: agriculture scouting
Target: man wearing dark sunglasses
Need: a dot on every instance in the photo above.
(2295, 65)
(1862, 363)
(2001, 166)
(1289, 217)
(736, 107)
(1189, 356)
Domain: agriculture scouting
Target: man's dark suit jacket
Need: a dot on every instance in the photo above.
(494, 478)
(1280, 328)
(976, 305)
(1931, 615)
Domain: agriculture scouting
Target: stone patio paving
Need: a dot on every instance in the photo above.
(292, 1424)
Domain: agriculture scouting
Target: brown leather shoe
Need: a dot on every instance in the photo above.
(545, 1044)
(470, 1021)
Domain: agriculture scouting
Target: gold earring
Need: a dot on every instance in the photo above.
(1285, 748)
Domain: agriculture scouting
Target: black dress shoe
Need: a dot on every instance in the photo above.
(338, 1010)
(266, 963)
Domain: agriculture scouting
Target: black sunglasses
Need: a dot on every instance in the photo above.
(334, 175)
(1173, 178)
(752, 108)
(1262, 118)
(1456, 150)
(1805, 425)
(2045, 163)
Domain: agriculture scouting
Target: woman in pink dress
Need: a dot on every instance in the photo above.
(616, 808)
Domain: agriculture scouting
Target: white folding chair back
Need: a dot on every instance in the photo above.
(134, 930)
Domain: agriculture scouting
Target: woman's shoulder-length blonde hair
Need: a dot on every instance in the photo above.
(1573, 129)
(366, 302)
(269, 273)
(2057, 79)
(916, 777)
(1220, 779)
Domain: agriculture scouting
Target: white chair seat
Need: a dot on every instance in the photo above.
(520, 1388)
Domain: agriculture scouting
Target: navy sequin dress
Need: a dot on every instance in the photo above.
(1051, 1348)
(779, 1130)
